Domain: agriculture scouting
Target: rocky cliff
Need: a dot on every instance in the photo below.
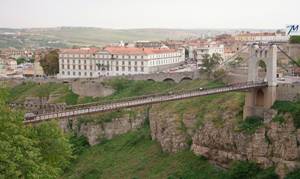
(107, 125)
(273, 144)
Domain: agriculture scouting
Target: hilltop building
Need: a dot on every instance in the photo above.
(116, 61)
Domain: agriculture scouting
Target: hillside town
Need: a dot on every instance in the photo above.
(140, 57)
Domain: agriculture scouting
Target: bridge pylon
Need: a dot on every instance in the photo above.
(262, 62)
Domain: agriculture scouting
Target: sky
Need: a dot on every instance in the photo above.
(126, 14)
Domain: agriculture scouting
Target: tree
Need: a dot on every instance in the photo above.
(294, 40)
(21, 60)
(55, 148)
(19, 157)
(50, 63)
(236, 61)
(211, 62)
(30, 152)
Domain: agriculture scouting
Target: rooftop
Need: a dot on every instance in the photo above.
(137, 51)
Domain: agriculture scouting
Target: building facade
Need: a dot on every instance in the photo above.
(262, 37)
(116, 61)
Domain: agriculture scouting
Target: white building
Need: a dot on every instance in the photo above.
(116, 61)
(262, 37)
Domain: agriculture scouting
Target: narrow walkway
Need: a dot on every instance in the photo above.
(144, 100)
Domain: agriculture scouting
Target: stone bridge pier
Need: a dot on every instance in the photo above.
(263, 60)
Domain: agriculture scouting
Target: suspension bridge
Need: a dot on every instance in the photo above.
(260, 94)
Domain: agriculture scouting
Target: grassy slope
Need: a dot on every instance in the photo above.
(123, 89)
(135, 155)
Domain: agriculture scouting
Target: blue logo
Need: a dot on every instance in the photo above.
(293, 30)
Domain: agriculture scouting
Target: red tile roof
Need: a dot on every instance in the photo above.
(79, 51)
(137, 51)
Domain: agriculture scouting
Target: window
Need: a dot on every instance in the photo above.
(91, 67)
(142, 69)
(142, 63)
(123, 62)
(129, 68)
(68, 73)
(129, 63)
(135, 63)
(91, 74)
(68, 66)
(74, 73)
(62, 66)
(79, 67)
(123, 68)
(85, 67)
(135, 68)
(85, 73)
(117, 68)
(79, 73)
(84, 61)
(63, 72)
(73, 61)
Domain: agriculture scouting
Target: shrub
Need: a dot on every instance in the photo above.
(289, 107)
(293, 175)
(251, 124)
(79, 144)
(71, 98)
(246, 169)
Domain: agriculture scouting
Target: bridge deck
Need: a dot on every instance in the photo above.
(88, 109)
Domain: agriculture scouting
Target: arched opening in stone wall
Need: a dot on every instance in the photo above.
(169, 80)
(259, 100)
(184, 79)
(151, 80)
(261, 70)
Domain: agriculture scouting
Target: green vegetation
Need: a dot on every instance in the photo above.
(79, 144)
(210, 62)
(294, 40)
(289, 107)
(30, 152)
(293, 175)
(135, 155)
(49, 63)
(55, 92)
(251, 124)
(249, 170)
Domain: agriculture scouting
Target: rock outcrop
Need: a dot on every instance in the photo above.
(273, 144)
(98, 130)
(95, 133)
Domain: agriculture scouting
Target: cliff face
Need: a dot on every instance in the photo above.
(96, 133)
(99, 129)
(273, 144)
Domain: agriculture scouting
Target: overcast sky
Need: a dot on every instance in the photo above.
(150, 13)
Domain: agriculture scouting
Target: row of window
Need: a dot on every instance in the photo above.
(164, 61)
(78, 67)
(76, 74)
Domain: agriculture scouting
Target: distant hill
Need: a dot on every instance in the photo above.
(89, 36)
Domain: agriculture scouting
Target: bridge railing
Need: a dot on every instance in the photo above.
(145, 100)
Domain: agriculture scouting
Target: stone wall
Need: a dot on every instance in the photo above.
(91, 88)
(288, 92)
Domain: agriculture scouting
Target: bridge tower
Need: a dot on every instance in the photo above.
(261, 99)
